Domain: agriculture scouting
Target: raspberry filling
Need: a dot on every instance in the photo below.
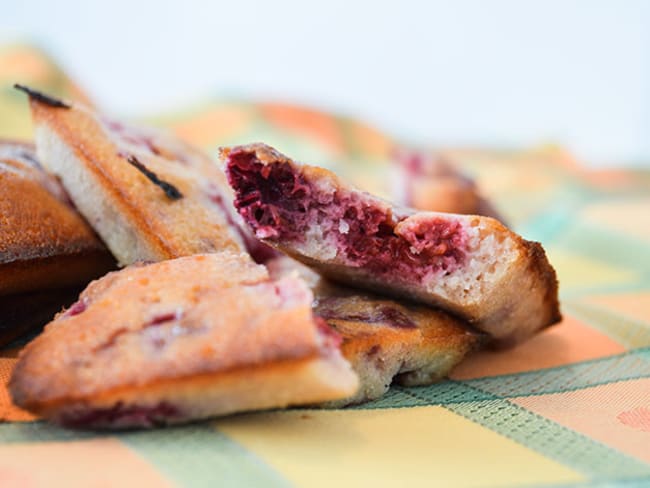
(141, 138)
(122, 415)
(163, 318)
(330, 309)
(76, 308)
(259, 251)
(331, 339)
(280, 204)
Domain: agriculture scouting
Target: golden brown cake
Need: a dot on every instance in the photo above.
(147, 194)
(180, 340)
(469, 265)
(44, 243)
(385, 340)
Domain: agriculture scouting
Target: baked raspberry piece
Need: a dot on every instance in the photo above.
(181, 340)
(469, 265)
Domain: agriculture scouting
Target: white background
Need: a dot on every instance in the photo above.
(499, 72)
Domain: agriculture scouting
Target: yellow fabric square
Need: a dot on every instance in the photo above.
(574, 270)
(631, 217)
(423, 446)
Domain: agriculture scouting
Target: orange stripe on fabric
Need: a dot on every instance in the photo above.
(316, 125)
(617, 414)
(571, 341)
(96, 462)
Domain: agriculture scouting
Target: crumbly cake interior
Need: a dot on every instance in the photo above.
(327, 222)
(488, 257)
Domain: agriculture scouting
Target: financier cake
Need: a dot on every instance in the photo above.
(148, 195)
(469, 265)
(180, 340)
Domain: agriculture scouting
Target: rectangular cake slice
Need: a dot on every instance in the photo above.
(469, 265)
(181, 340)
(149, 195)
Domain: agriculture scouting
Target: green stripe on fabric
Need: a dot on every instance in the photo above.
(201, 456)
(573, 294)
(443, 393)
(396, 397)
(192, 456)
(626, 331)
(38, 431)
(589, 457)
(641, 482)
(621, 367)
(555, 216)
(607, 246)
(630, 365)
(544, 227)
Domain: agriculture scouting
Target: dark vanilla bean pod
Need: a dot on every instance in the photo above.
(170, 190)
(41, 97)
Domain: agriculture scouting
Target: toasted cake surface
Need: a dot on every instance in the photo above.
(386, 340)
(470, 265)
(44, 242)
(158, 334)
(148, 195)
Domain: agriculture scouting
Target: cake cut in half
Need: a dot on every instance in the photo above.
(149, 195)
(469, 265)
(386, 341)
(181, 340)
(44, 243)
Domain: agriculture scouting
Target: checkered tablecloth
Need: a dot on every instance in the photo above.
(571, 407)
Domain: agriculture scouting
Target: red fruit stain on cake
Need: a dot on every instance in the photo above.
(385, 315)
(259, 251)
(112, 339)
(140, 138)
(130, 135)
(280, 204)
(331, 339)
(76, 308)
(163, 318)
(121, 415)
